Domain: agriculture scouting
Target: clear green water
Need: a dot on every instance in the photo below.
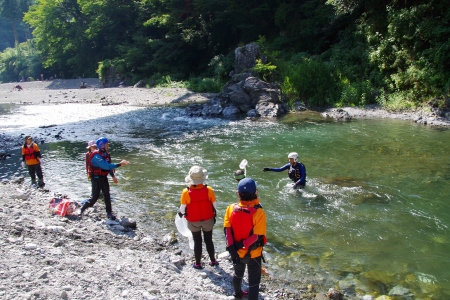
(374, 212)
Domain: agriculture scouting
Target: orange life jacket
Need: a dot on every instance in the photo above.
(30, 153)
(200, 208)
(242, 224)
(96, 171)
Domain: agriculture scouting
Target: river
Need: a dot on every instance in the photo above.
(374, 214)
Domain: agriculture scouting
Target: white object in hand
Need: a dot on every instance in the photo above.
(182, 228)
(242, 165)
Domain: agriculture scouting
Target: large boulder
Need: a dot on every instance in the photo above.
(245, 95)
(245, 58)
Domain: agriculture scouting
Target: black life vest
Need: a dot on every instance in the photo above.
(294, 172)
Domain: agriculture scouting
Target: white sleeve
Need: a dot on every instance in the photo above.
(183, 208)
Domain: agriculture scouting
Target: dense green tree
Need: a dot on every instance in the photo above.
(389, 46)
(73, 36)
(20, 62)
(12, 29)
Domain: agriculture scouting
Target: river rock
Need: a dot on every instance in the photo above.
(128, 223)
(402, 292)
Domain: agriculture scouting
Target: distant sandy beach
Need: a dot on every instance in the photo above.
(68, 91)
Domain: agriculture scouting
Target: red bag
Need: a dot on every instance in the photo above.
(62, 206)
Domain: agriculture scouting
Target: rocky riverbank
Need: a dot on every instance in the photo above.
(43, 256)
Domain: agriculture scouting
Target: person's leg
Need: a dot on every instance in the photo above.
(239, 270)
(106, 196)
(254, 277)
(39, 175)
(207, 235)
(197, 246)
(95, 188)
(32, 173)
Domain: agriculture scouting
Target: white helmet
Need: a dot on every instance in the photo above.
(293, 155)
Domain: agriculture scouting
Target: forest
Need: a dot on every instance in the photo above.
(321, 52)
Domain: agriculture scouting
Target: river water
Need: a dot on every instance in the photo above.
(374, 214)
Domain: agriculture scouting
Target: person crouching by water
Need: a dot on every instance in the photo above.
(198, 206)
(245, 232)
(31, 156)
(297, 171)
(99, 167)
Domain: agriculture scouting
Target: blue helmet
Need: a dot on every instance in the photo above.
(101, 142)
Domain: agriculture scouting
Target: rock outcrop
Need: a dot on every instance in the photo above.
(245, 94)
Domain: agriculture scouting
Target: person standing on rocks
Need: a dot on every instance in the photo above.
(31, 156)
(297, 171)
(99, 167)
(245, 232)
(198, 206)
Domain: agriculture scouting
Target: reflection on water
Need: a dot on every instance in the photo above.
(374, 211)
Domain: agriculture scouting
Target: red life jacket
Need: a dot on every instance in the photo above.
(200, 208)
(96, 171)
(242, 224)
(29, 152)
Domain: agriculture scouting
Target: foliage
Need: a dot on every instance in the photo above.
(267, 71)
(310, 80)
(333, 52)
(358, 93)
(399, 101)
(204, 85)
(20, 62)
(112, 67)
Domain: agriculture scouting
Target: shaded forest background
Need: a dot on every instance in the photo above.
(336, 52)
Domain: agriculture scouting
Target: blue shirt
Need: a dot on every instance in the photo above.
(99, 162)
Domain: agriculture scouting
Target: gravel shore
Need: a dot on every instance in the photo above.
(45, 256)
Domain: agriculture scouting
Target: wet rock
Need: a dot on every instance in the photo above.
(337, 114)
(128, 223)
(334, 294)
(401, 291)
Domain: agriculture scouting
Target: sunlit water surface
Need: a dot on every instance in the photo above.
(374, 213)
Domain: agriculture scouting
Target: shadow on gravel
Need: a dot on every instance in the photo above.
(73, 83)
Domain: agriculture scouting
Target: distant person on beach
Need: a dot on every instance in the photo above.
(100, 166)
(297, 171)
(31, 156)
(198, 206)
(17, 87)
(245, 232)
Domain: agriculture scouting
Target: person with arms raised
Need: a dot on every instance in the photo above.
(297, 171)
